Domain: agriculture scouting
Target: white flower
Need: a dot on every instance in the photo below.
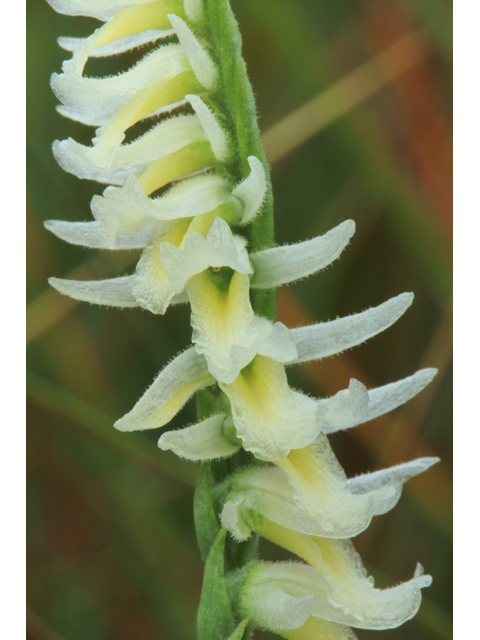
(279, 596)
(340, 508)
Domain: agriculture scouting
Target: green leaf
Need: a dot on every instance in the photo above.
(206, 523)
(215, 618)
(239, 631)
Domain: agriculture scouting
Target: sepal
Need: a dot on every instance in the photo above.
(385, 399)
(285, 264)
(117, 292)
(318, 341)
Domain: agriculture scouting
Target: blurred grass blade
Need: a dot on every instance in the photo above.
(38, 629)
(344, 95)
(50, 307)
(136, 447)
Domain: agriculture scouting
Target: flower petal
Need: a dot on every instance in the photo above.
(252, 190)
(327, 338)
(170, 390)
(270, 418)
(281, 265)
(203, 441)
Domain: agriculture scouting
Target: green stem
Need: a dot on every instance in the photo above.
(238, 102)
(235, 100)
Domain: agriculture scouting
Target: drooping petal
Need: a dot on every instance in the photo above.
(175, 384)
(117, 292)
(387, 398)
(202, 63)
(203, 441)
(328, 338)
(400, 473)
(270, 418)
(281, 265)
(321, 489)
(252, 190)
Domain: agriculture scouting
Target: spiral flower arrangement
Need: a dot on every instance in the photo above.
(194, 194)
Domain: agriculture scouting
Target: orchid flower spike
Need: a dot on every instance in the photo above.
(193, 195)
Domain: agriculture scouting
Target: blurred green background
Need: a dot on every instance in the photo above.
(111, 545)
